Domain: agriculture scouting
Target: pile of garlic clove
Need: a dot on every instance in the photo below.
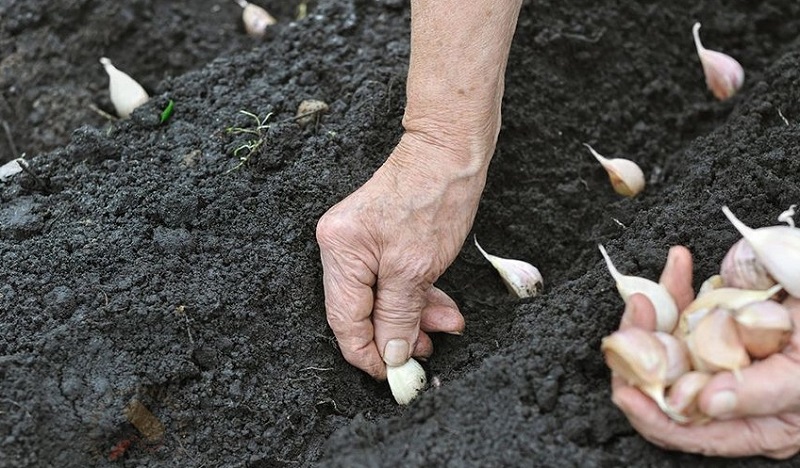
(737, 318)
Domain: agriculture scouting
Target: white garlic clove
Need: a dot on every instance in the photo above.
(788, 216)
(724, 75)
(677, 357)
(729, 299)
(640, 359)
(10, 169)
(712, 283)
(406, 381)
(521, 278)
(764, 328)
(741, 269)
(714, 344)
(682, 395)
(626, 176)
(777, 248)
(256, 19)
(126, 93)
(663, 303)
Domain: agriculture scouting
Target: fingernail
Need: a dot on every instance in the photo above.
(722, 404)
(396, 352)
(457, 333)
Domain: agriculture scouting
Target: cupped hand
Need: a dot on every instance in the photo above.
(759, 415)
(385, 245)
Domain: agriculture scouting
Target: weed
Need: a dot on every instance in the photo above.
(256, 138)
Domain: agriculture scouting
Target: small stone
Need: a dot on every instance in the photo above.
(309, 111)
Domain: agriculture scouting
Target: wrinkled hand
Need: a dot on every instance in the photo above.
(758, 416)
(385, 245)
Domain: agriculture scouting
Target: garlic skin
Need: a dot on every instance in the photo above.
(710, 284)
(677, 357)
(682, 395)
(639, 358)
(663, 303)
(406, 381)
(126, 93)
(777, 248)
(741, 269)
(714, 345)
(256, 19)
(521, 278)
(764, 328)
(724, 75)
(626, 176)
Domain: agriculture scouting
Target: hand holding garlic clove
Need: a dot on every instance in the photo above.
(756, 415)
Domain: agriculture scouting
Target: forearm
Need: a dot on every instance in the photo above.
(459, 51)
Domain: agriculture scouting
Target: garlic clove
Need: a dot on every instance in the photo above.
(626, 176)
(764, 328)
(741, 269)
(256, 19)
(677, 357)
(788, 216)
(10, 169)
(640, 359)
(777, 248)
(714, 344)
(406, 381)
(126, 93)
(682, 395)
(712, 283)
(724, 75)
(309, 110)
(663, 303)
(521, 278)
(724, 298)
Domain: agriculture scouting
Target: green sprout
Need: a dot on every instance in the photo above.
(167, 112)
(253, 144)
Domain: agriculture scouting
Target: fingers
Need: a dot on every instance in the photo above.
(423, 348)
(396, 318)
(639, 312)
(677, 276)
(441, 314)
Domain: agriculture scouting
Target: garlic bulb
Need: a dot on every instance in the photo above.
(729, 299)
(682, 395)
(626, 176)
(256, 19)
(663, 303)
(778, 250)
(126, 93)
(522, 279)
(724, 75)
(714, 344)
(639, 358)
(764, 328)
(741, 269)
(406, 381)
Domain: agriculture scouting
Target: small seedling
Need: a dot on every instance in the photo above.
(167, 112)
(253, 144)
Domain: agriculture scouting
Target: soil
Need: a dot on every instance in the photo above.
(161, 304)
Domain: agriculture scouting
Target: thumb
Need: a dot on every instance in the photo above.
(396, 319)
(768, 387)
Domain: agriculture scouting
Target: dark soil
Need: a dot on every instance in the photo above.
(143, 266)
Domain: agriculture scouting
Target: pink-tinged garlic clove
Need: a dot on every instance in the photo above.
(640, 359)
(714, 344)
(626, 176)
(710, 284)
(724, 298)
(764, 328)
(256, 19)
(682, 395)
(741, 269)
(521, 278)
(724, 75)
(678, 362)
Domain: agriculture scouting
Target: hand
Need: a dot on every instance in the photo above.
(385, 245)
(758, 416)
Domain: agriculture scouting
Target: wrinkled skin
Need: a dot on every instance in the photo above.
(762, 419)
